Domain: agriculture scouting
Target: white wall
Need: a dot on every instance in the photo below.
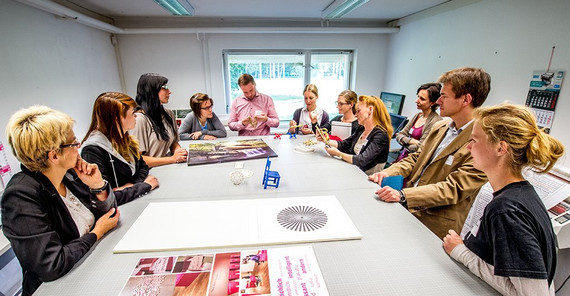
(179, 57)
(508, 38)
(53, 62)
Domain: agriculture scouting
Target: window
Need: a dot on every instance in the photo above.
(283, 75)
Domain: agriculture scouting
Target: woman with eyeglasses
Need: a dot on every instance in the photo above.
(368, 147)
(346, 104)
(512, 247)
(58, 205)
(301, 116)
(156, 129)
(116, 153)
(417, 129)
(202, 123)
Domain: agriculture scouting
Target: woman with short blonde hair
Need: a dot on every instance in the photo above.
(58, 206)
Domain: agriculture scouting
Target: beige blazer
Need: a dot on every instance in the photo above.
(448, 187)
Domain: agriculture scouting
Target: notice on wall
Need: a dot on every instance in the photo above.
(288, 271)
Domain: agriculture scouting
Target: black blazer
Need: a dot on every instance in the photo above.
(99, 156)
(40, 228)
(375, 151)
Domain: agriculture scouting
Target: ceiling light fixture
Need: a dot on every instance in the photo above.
(340, 8)
(177, 7)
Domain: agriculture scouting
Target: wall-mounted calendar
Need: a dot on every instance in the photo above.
(543, 95)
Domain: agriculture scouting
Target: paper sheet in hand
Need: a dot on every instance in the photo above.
(208, 224)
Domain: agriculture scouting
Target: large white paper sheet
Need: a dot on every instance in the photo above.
(207, 224)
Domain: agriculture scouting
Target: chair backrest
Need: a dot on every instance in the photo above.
(267, 164)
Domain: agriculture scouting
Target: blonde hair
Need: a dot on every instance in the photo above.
(34, 131)
(311, 88)
(527, 144)
(380, 114)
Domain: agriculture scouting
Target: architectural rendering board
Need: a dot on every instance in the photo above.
(225, 151)
(208, 224)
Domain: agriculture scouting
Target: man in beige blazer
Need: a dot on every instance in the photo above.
(442, 180)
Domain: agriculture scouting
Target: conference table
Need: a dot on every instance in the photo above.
(397, 254)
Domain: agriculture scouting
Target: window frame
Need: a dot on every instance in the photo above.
(308, 53)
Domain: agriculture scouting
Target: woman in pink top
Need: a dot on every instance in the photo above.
(419, 126)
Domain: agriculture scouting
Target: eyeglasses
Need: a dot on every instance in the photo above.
(207, 108)
(75, 144)
(341, 103)
(164, 87)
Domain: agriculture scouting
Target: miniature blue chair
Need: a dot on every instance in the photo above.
(270, 178)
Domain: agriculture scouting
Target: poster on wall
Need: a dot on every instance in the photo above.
(226, 151)
(280, 271)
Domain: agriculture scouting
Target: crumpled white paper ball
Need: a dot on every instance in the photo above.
(237, 177)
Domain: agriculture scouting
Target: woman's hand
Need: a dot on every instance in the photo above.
(306, 130)
(179, 155)
(152, 181)
(451, 240)
(106, 223)
(313, 117)
(195, 135)
(209, 137)
(89, 173)
(333, 151)
(292, 125)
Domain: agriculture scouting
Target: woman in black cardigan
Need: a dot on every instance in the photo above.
(109, 145)
(368, 147)
(58, 206)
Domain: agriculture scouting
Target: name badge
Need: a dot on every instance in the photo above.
(475, 228)
(449, 160)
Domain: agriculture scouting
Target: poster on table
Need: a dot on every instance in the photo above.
(226, 151)
(281, 271)
(169, 226)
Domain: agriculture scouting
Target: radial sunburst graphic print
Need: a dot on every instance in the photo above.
(302, 218)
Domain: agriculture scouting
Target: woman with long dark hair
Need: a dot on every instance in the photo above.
(156, 129)
(108, 144)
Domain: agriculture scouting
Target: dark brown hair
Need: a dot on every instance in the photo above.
(196, 103)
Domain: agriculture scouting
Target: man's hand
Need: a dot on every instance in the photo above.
(377, 177)
(388, 194)
(246, 121)
(261, 117)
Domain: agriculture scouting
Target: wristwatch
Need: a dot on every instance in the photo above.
(402, 196)
(101, 189)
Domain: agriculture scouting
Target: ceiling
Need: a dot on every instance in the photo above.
(134, 13)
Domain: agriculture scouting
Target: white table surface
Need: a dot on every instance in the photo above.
(397, 255)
